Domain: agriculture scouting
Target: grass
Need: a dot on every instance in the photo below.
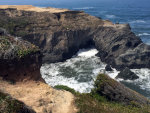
(95, 103)
(4, 43)
(61, 87)
(9, 105)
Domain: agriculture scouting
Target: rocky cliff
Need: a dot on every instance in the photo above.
(19, 59)
(60, 34)
(20, 77)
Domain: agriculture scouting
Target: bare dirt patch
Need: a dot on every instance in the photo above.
(40, 97)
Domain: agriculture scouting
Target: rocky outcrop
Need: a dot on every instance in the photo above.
(114, 45)
(19, 60)
(138, 57)
(115, 91)
(126, 74)
(108, 68)
(61, 34)
(20, 63)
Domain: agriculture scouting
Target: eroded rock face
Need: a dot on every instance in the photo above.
(19, 59)
(116, 91)
(138, 57)
(127, 74)
(60, 35)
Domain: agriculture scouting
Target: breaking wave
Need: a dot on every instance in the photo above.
(110, 16)
(81, 70)
(84, 8)
(144, 34)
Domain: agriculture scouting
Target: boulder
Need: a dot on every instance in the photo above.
(127, 74)
(115, 91)
(108, 68)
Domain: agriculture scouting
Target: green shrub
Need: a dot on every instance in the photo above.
(9, 105)
(62, 87)
(95, 103)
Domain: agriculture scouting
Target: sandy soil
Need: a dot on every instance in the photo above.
(32, 8)
(41, 97)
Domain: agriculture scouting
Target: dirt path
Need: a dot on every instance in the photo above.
(32, 8)
(40, 97)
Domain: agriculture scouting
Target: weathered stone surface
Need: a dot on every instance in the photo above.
(138, 57)
(60, 35)
(116, 91)
(127, 74)
(19, 60)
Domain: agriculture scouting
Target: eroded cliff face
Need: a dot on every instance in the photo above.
(20, 77)
(60, 35)
(19, 60)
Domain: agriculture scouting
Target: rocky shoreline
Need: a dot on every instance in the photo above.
(60, 34)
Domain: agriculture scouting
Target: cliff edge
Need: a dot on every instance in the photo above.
(60, 34)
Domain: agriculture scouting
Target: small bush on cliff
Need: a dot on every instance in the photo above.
(16, 47)
(62, 87)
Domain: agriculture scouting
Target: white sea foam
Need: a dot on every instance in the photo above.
(78, 72)
(110, 16)
(81, 70)
(144, 78)
(143, 34)
(137, 21)
(84, 53)
(83, 8)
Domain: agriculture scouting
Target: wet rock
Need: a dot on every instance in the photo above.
(108, 68)
(116, 91)
(138, 57)
(127, 74)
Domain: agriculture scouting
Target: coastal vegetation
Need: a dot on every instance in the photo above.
(16, 46)
(9, 105)
(94, 102)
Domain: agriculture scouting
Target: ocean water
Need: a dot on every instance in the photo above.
(81, 70)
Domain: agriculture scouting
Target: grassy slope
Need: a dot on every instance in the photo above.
(9, 105)
(95, 103)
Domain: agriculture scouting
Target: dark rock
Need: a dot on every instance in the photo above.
(61, 35)
(139, 57)
(116, 91)
(108, 68)
(127, 74)
(2, 31)
(19, 60)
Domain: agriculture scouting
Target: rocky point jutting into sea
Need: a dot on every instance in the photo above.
(31, 36)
